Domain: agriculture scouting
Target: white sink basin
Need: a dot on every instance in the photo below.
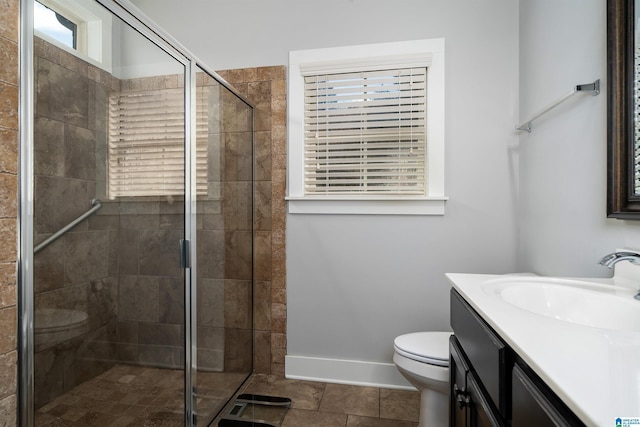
(575, 301)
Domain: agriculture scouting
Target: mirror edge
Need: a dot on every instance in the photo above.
(621, 203)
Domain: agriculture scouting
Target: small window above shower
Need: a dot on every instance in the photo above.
(79, 27)
(56, 25)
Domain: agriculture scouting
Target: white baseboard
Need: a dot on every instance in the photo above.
(340, 371)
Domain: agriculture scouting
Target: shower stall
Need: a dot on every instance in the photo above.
(136, 223)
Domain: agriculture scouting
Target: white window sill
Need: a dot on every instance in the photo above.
(367, 206)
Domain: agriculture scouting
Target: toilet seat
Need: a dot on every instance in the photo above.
(425, 347)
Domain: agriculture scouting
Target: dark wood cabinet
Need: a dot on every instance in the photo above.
(534, 405)
(459, 395)
(481, 414)
(486, 352)
(490, 385)
(469, 405)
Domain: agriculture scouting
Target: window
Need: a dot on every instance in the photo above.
(146, 143)
(80, 27)
(55, 25)
(366, 129)
(365, 132)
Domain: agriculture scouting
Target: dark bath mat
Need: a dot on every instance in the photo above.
(257, 411)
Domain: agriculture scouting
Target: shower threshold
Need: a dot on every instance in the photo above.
(256, 410)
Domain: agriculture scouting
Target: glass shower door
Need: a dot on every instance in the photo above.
(108, 292)
(222, 328)
(134, 150)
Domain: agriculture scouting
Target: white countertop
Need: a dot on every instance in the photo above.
(596, 372)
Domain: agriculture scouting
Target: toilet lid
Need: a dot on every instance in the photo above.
(427, 347)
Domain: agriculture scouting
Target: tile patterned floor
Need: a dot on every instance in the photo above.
(336, 405)
(150, 397)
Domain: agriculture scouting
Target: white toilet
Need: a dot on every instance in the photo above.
(423, 359)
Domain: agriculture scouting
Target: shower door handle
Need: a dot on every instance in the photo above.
(185, 257)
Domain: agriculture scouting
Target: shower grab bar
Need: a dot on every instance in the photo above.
(594, 88)
(96, 205)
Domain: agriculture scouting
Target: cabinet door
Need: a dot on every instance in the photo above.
(531, 408)
(458, 397)
(481, 413)
(469, 405)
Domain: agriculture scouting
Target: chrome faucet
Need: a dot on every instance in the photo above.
(613, 258)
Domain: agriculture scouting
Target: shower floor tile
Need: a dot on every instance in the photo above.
(129, 395)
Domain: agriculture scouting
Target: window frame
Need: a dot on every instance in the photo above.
(417, 53)
(94, 29)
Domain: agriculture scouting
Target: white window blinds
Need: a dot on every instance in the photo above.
(146, 143)
(365, 132)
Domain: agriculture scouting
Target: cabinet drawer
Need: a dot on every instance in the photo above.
(486, 352)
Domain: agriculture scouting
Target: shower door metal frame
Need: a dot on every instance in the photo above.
(25, 410)
(136, 19)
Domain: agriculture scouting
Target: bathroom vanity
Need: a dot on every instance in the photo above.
(515, 366)
(490, 384)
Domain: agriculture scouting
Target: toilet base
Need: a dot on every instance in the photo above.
(433, 409)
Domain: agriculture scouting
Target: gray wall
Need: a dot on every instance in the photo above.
(355, 282)
(563, 224)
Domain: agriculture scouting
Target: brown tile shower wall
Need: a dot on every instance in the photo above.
(265, 87)
(150, 299)
(76, 275)
(150, 328)
(153, 335)
(8, 208)
(236, 174)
